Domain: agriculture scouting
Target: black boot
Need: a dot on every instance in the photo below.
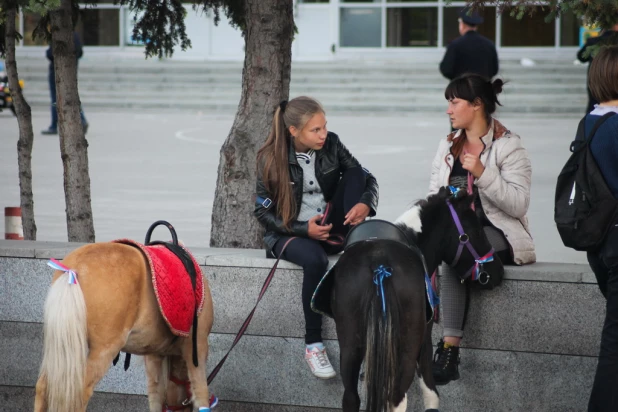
(445, 365)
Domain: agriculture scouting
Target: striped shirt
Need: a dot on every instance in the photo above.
(313, 202)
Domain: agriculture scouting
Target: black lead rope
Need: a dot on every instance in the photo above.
(247, 321)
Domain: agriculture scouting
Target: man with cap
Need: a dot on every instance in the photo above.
(470, 53)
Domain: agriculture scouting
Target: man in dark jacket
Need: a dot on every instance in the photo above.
(51, 77)
(609, 37)
(470, 53)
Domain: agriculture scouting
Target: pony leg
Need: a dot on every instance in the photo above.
(99, 361)
(40, 400)
(408, 366)
(197, 375)
(431, 399)
(351, 359)
(154, 366)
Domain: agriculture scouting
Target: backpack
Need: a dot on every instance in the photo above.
(584, 207)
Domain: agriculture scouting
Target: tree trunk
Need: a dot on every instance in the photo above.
(26, 137)
(73, 144)
(265, 82)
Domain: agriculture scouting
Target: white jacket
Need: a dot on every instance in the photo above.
(504, 186)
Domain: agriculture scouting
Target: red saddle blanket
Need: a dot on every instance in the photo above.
(172, 286)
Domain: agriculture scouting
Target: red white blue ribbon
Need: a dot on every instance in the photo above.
(59, 266)
(489, 257)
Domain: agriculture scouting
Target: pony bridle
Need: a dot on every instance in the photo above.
(476, 272)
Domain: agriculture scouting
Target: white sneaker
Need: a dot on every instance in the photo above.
(319, 363)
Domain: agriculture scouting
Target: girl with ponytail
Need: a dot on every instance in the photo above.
(483, 157)
(309, 187)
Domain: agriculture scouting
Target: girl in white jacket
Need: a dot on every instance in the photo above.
(482, 154)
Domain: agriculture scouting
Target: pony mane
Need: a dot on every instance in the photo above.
(460, 200)
(429, 209)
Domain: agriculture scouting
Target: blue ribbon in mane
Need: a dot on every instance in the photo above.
(378, 277)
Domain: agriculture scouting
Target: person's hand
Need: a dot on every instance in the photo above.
(357, 214)
(472, 164)
(316, 231)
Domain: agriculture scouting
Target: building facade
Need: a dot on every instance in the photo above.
(332, 29)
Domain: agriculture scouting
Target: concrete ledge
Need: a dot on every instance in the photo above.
(530, 344)
(256, 258)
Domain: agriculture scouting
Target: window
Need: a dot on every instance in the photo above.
(360, 27)
(569, 29)
(530, 31)
(99, 27)
(411, 26)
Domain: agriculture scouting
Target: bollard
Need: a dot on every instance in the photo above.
(13, 229)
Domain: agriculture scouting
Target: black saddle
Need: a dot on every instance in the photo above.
(375, 229)
(368, 231)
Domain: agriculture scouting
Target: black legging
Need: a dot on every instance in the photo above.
(312, 254)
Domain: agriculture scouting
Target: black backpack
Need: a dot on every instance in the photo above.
(584, 208)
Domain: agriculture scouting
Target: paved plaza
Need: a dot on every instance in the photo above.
(151, 165)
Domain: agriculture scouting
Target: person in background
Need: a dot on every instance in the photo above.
(51, 76)
(603, 84)
(585, 55)
(470, 53)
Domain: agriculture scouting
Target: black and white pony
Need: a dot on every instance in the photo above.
(380, 305)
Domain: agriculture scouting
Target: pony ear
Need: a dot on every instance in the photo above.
(444, 192)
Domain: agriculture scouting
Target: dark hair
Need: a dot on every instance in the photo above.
(474, 88)
(603, 74)
(272, 158)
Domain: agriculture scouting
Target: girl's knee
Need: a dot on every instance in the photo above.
(317, 264)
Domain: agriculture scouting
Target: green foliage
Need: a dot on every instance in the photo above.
(603, 13)
(159, 24)
(40, 6)
(234, 10)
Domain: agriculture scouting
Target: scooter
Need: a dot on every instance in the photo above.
(6, 101)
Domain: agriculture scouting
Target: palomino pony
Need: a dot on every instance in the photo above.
(381, 299)
(103, 301)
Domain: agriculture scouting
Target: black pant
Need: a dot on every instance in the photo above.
(312, 254)
(604, 264)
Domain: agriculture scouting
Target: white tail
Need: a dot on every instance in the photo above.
(65, 346)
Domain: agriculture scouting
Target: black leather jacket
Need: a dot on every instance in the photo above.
(331, 161)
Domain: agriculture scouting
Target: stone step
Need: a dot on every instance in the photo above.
(335, 77)
(343, 86)
(371, 96)
(383, 65)
(338, 106)
(86, 84)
